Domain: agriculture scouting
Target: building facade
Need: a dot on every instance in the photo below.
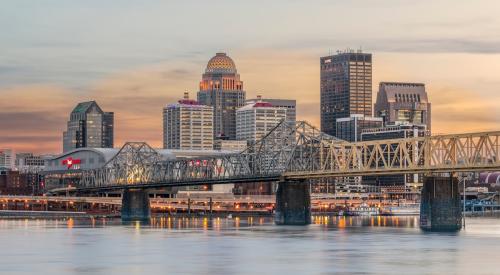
(6, 159)
(230, 145)
(222, 89)
(188, 125)
(345, 87)
(255, 120)
(350, 128)
(89, 126)
(289, 104)
(403, 103)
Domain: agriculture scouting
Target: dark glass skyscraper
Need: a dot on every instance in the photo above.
(222, 88)
(89, 126)
(346, 87)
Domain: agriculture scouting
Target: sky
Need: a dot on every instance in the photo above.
(134, 57)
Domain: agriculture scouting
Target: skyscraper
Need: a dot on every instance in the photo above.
(289, 104)
(89, 126)
(188, 125)
(255, 120)
(345, 86)
(403, 103)
(222, 89)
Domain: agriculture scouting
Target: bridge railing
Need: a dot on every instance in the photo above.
(461, 152)
(302, 151)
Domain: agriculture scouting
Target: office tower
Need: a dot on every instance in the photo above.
(89, 126)
(222, 89)
(188, 125)
(350, 128)
(403, 103)
(255, 120)
(289, 104)
(345, 86)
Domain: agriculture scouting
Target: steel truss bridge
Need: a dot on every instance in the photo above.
(298, 152)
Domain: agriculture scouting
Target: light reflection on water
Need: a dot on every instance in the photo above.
(246, 245)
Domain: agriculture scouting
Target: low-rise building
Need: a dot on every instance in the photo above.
(350, 128)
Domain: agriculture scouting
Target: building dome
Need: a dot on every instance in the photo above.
(221, 63)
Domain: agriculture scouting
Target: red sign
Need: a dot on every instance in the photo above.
(70, 161)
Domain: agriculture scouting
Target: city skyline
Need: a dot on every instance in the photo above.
(45, 74)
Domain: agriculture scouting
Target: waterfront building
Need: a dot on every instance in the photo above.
(6, 159)
(345, 87)
(188, 125)
(89, 126)
(350, 128)
(399, 102)
(255, 120)
(289, 104)
(397, 130)
(222, 89)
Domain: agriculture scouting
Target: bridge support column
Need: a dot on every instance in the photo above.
(135, 205)
(440, 204)
(293, 203)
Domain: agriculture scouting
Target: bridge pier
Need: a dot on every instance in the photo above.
(293, 203)
(440, 204)
(135, 205)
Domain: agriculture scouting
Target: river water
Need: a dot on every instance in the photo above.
(247, 245)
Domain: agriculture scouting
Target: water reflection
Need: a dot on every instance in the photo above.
(245, 245)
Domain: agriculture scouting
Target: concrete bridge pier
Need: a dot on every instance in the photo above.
(293, 203)
(440, 204)
(135, 205)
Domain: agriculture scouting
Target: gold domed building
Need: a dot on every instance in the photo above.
(222, 88)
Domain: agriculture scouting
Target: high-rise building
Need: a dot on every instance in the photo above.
(188, 125)
(255, 120)
(6, 159)
(345, 86)
(403, 102)
(222, 89)
(350, 128)
(89, 126)
(289, 104)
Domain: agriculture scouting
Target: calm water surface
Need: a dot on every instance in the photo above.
(384, 245)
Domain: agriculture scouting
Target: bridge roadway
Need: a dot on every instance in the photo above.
(292, 155)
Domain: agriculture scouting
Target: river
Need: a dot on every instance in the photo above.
(247, 245)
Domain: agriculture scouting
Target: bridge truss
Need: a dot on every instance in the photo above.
(299, 151)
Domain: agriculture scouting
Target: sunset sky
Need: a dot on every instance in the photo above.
(133, 57)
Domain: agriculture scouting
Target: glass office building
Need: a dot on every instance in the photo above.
(345, 86)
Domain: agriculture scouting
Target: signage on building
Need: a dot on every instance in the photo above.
(69, 162)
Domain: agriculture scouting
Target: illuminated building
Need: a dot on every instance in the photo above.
(222, 89)
(188, 125)
(345, 87)
(403, 103)
(89, 126)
